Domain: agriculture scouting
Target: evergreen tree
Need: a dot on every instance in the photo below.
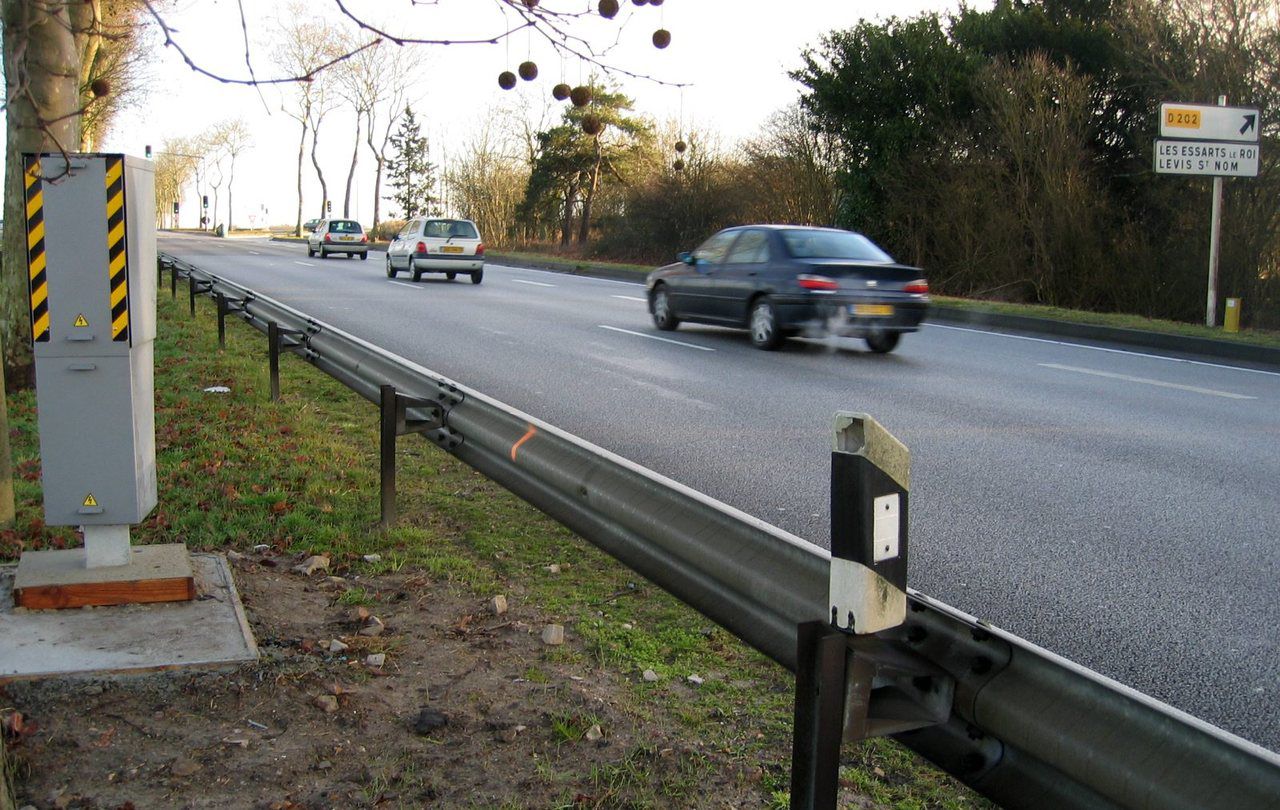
(410, 174)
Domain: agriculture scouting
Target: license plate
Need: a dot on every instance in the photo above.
(451, 249)
(877, 310)
(345, 238)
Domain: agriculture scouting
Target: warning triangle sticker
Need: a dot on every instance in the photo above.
(81, 320)
(89, 500)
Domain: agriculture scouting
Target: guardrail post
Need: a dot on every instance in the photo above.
(819, 713)
(867, 593)
(273, 358)
(191, 292)
(390, 416)
(173, 281)
(222, 320)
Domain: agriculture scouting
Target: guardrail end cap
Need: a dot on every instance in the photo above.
(861, 435)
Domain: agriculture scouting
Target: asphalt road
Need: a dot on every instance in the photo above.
(1117, 508)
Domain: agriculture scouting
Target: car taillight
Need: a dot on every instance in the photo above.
(919, 287)
(821, 283)
(480, 249)
(421, 248)
(328, 238)
(364, 238)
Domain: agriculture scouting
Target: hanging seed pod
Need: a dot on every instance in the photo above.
(661, 38)
(591, 124)
(678, 165)
(532, 4)
(100, 88)
(560, 92)
(528, 71)
(681, 146)
(655, 2)
(580, 96)
(608, 8)
(506, 80)
(640, 2)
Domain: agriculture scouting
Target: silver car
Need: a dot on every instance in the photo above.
(437, 245)
(338, 236)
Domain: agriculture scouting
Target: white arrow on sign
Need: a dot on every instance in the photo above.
(1205, 122)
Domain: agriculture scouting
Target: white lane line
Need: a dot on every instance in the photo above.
(631, 298)
(531, 283)
(655, 337)
(1105, 349)
(639, 282)
(255, 253)
(1160, 383)
(406, 284)
(304, 264)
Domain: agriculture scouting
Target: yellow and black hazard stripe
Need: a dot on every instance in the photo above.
(38, 278)
(118, 259)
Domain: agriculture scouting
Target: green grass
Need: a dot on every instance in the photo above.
(1260, 337)
(301, 475)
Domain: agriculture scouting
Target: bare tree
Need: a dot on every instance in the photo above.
(358, 85)
(305, 45)
(486, 182)
(175, 166)
(792, 165)
(113, 51)
(387, 99)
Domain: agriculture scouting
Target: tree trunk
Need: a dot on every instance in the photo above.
(40, 68)
(324, 187)
(351, 174)
(566, 220)
(231, 178)
(302, 147)
(584, 227)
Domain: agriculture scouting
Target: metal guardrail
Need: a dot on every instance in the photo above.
(1024, 727)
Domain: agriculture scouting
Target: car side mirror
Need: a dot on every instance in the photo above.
(685, 256)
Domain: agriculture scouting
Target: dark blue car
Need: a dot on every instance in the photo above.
(782, 280)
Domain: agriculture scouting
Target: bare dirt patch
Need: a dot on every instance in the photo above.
(468, 709)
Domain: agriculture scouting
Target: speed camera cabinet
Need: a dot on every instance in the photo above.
(92, 253)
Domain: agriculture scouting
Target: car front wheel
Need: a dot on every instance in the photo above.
(450, 276)
(311, 252)
(663, 316)
(883, 342)
(765, 333)
(391, 271)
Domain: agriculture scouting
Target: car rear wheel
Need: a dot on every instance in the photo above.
(391, 271)
(664, 317)
(765, 333)
(413, 268)
(323, 255)
(883, 342)
(477, 276)
(364, 256)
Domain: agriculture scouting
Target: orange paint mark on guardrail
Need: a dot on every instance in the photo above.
(526, 437)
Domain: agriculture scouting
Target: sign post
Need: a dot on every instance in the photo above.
(1215, 142)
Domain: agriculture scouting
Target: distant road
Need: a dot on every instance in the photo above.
(1120, 509)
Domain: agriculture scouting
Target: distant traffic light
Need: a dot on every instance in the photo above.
(206, 201)
(328, 206)
(148, 151)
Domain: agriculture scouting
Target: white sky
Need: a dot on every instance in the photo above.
(734, 53)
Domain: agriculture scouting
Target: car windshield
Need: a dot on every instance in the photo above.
(345, 226)
(820, 244)
(445, 228)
